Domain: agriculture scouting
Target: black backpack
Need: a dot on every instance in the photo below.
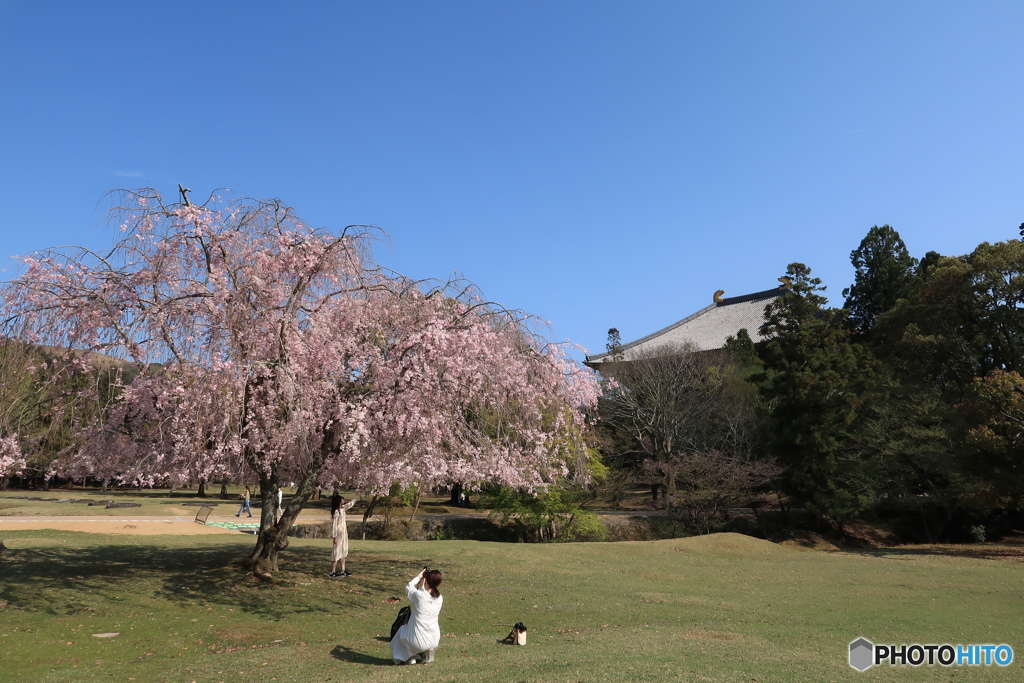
(401, 620)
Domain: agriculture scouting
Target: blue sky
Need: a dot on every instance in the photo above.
(595, 163)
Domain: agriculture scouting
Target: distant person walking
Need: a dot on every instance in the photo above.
(419, 637)
(280, 505)
(339, 532)
(244, 507)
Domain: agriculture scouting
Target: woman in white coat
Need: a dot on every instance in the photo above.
(417, 639)
(339, 532)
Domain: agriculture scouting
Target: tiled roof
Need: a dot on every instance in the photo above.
(706, 329)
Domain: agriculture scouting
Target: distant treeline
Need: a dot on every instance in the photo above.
(905, 405)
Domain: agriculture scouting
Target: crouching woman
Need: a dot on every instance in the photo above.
(416, 640)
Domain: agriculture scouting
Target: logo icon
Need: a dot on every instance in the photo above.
(862, 654)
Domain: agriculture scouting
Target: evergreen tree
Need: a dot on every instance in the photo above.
(997, 289)
(904, 440)
(816, 381)
(884, 272)
(990, 437)
(743, 351)
(954, 353)
(614, 345)
(966, 321)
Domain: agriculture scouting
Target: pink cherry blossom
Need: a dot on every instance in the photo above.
(12, 462)
(270, 347)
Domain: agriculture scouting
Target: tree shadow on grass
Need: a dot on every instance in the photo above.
(67, 580)
(1004, 552)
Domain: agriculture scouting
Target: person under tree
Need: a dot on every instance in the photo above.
(339, 532)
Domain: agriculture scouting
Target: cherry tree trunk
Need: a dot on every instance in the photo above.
(456, 497)
(273, 535)
(369, 513)
(272, 539)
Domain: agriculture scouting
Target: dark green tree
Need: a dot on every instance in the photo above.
(991, 437)
(614, 345)
(903, 437)
(966, 321)
(997, 288)
(816, 382)
(884, 273)
(927, 265)
(743, 351)
(944, 437)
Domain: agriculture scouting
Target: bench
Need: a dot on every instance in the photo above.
(203, 513)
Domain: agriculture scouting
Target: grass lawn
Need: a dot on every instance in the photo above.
(714, 608)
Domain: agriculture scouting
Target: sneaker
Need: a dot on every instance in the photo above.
(333, 575)
(345, 573)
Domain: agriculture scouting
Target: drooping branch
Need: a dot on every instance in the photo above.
(288, 350)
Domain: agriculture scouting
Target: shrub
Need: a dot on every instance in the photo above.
(584, 526)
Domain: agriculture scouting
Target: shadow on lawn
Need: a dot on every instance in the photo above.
(1007, 552)
(63, 581)
(347, 654)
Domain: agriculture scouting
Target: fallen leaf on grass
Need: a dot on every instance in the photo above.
(105, 635)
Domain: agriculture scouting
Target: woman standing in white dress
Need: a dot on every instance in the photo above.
(339, 532)
(417, 639)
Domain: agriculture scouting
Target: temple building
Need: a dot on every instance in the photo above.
(707, 329)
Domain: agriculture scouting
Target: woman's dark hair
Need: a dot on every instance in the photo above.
(433, 579)
(336, 502)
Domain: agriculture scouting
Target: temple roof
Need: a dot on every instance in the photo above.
(706, 329)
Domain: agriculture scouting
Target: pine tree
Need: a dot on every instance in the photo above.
(884, 273)
(815, 381)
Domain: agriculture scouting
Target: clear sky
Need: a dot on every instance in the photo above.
(595, 163)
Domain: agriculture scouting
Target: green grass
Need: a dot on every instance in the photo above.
(716, 608)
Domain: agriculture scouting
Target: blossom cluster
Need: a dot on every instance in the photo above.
(12, 462)
(263, 343)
